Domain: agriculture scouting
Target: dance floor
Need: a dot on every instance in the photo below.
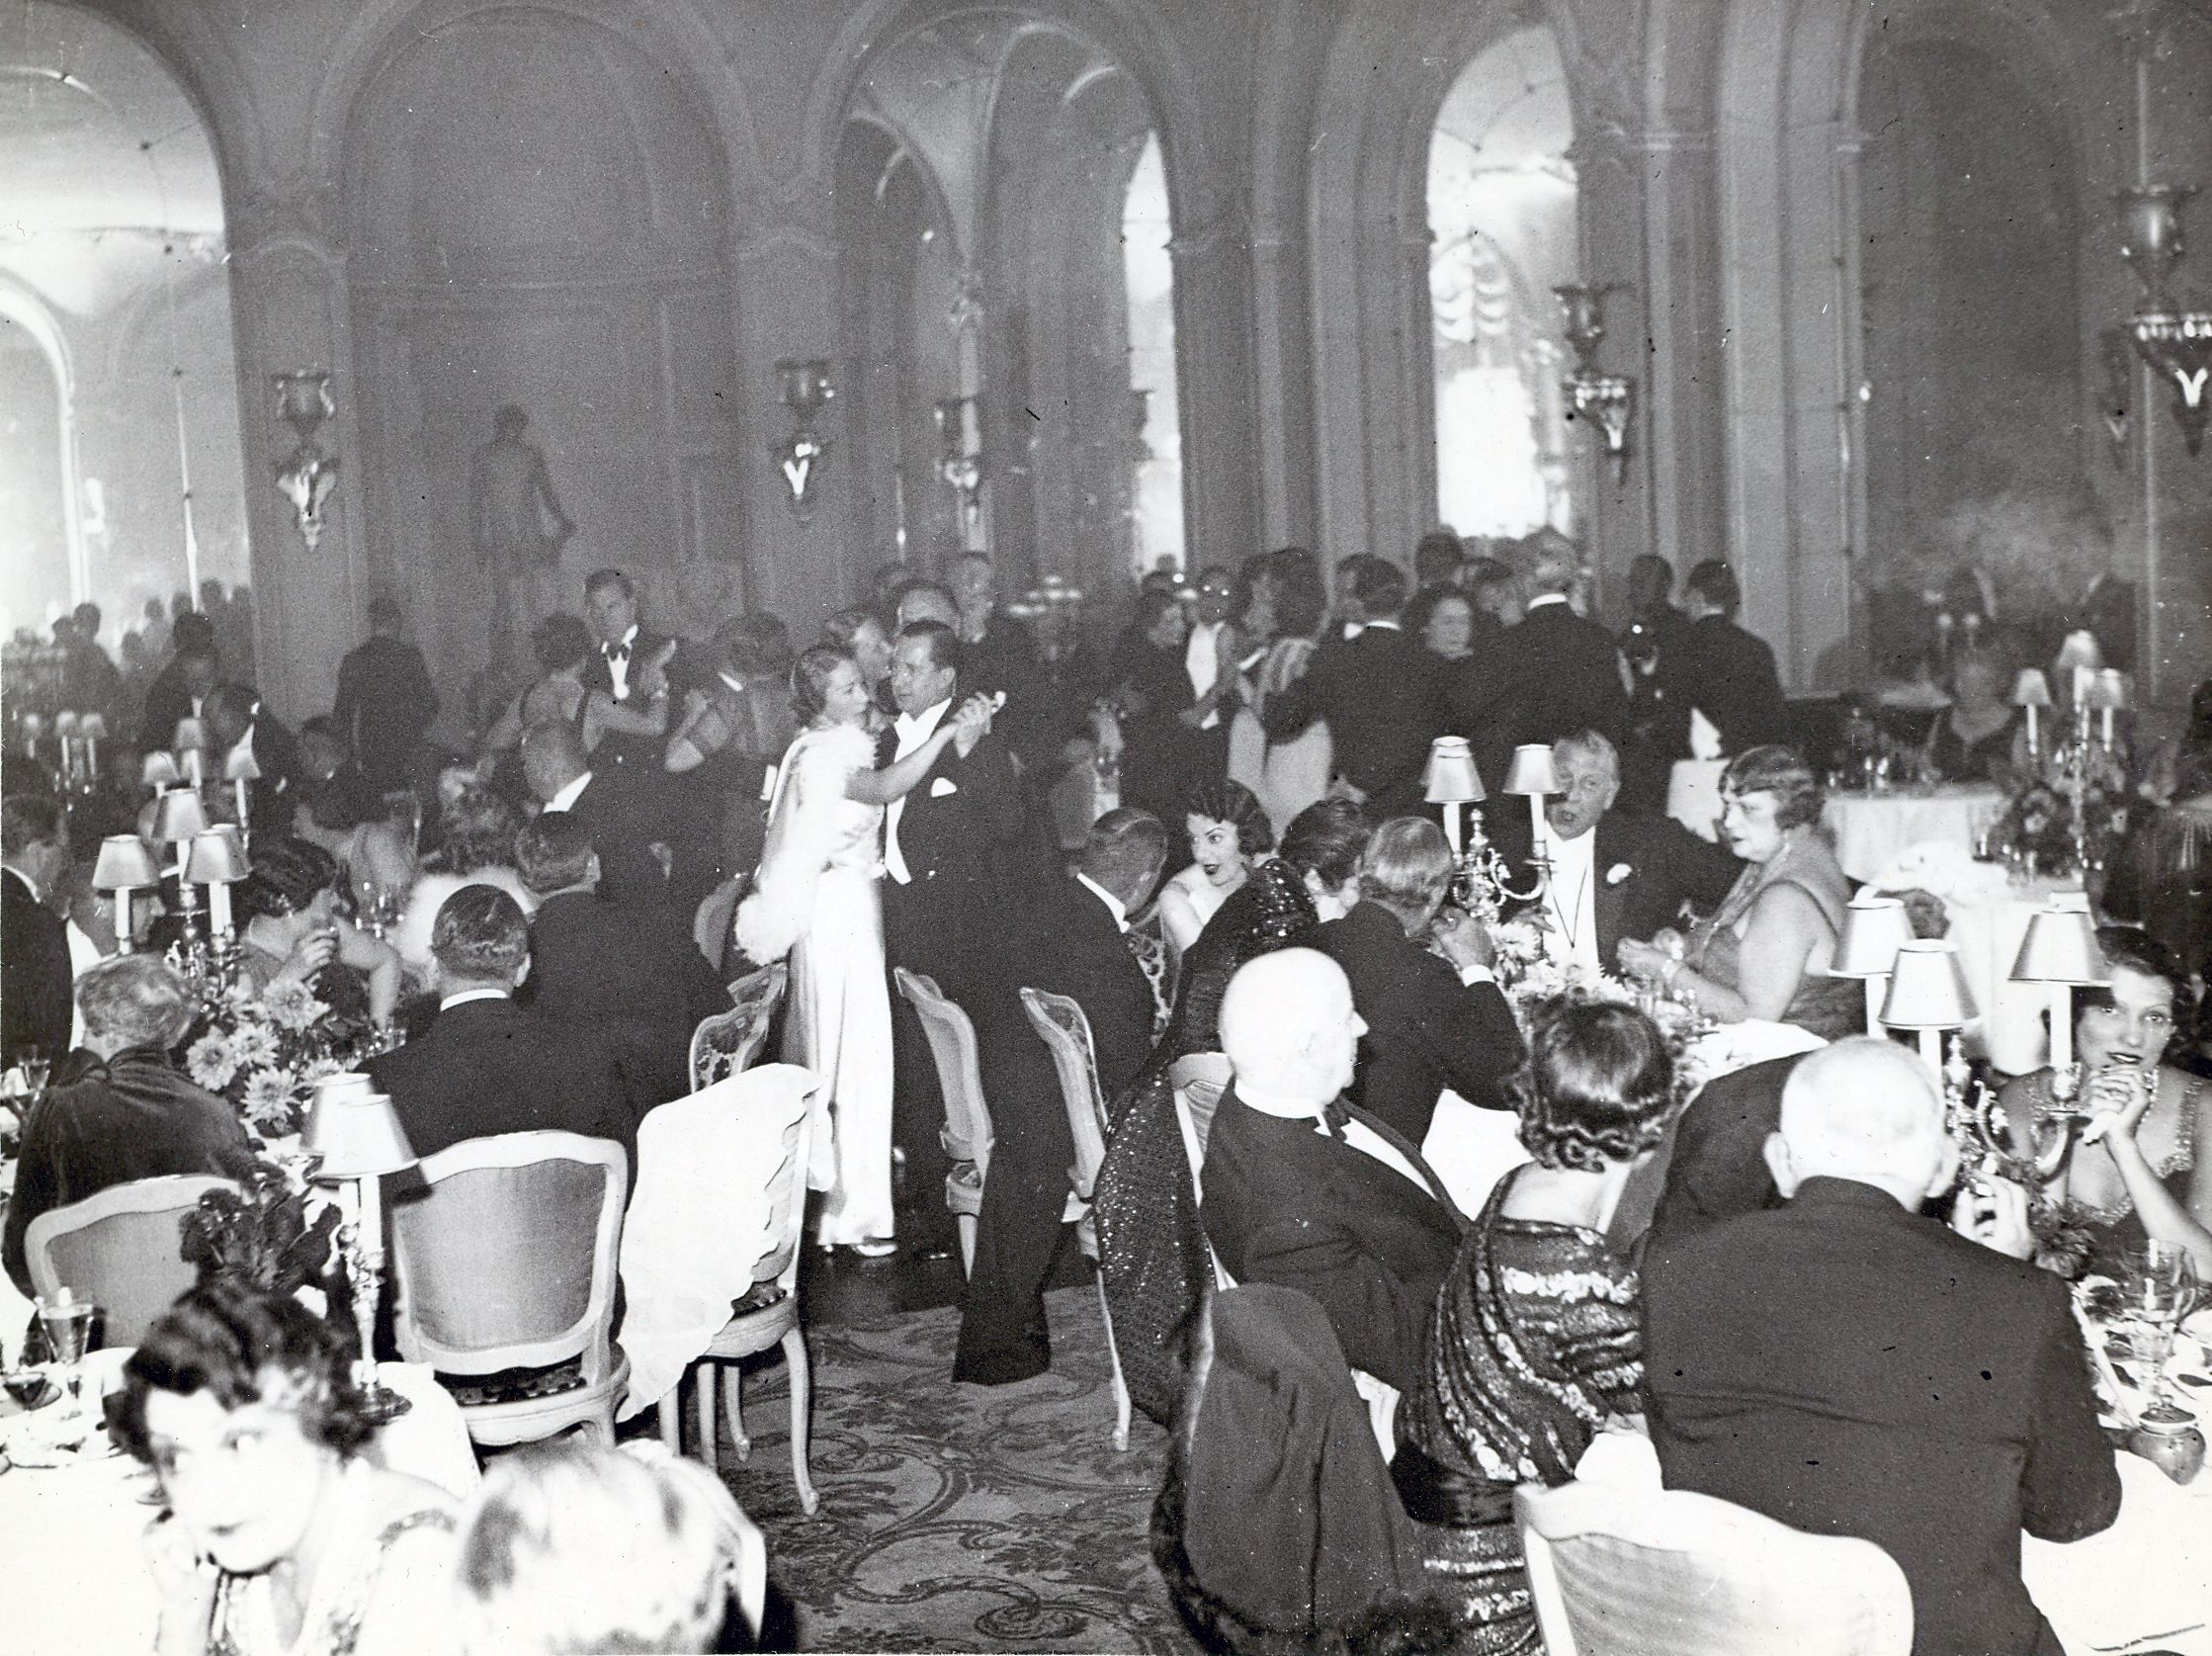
(958, 1517)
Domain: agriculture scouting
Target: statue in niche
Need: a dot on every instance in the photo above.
(519, 529)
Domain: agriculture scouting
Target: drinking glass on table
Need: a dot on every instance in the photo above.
(67, 1321)
(36, 1065)
(2159, 1297)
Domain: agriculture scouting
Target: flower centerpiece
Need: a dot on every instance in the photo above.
(263, 1050)
(1537, 987)
(2068, 812)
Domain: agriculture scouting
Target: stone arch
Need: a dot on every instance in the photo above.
(25, 309)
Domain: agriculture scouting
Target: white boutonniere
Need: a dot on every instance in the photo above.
(1617, 873)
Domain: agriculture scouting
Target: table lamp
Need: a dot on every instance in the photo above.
(1875, 927)
(1453, 782)
(177, 815)
(190, 745)
(159, 771)
(2032, 692)
(2060, 949)
(356, 1132)
(1531, 773)
(241, 768)
(124, 867)
(218, 860)
(1928, 993)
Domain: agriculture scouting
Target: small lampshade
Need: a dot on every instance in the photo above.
(1928, 988)
(2031, 689)
(2060, 948)
(217, 857)
(190, 733)
(93, 727)
(1874, 930)
(1531, 771)
(2109, 688)
(178, 815)
(241, 765)
(123, 861)
(355, 1130)
(1452, 776)
(65, 723)
(160, 770)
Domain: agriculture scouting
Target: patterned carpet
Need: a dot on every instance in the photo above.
(959, 1518)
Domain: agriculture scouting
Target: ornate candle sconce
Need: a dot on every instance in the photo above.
(1607, 399)
(2174, 341)
(960, 451)
(803, 385)
(307, 474)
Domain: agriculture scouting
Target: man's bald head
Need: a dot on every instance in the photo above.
(1864, 1110)
(1288, 1027)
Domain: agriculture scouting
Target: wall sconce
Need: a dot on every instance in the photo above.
(803, 385)
(1608, 398)
(2175, 342)
(960, 451)
(306, 476)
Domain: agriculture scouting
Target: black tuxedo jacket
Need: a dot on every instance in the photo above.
(616, 750)
(1728, 674)
(599, 676)
(632, 970)
(1289, 1204)
(1425, 1029)
(36, 989)
(1006, 660)
(963, 834)
(1851, 1368)
(1716, 1162)
(385, 703)
(625, 810)
(1566, 675)
(1379, 695)
(487, 1067)
(1667, 866)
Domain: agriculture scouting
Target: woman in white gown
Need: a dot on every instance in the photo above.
(814, 898)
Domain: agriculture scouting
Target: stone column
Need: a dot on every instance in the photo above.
(1222, 465)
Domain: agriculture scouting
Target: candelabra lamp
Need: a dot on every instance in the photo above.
(159, 771)
(959, 452)
(218, 860)
(2174, 340)
(2060, 950)
(2031, 693)
(307, 474)
(803, 385)
(1875, 929)
(241, 770)
(125, 869)
(1592, 394)
(1929, 993)
(357, 1134)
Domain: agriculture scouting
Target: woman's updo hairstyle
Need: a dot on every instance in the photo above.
(1234, 804)
(1777, 770)
(809, 680)
(1597, 1087)
(287, 875)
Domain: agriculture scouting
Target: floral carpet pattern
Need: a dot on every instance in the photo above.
(959, 1518)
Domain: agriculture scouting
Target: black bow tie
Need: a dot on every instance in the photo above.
(1336, 1115)
(617, 651)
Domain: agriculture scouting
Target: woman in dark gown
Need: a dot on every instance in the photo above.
(1537, 1336)
(1152, 1252)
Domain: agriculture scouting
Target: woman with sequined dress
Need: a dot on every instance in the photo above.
(1537, 1338)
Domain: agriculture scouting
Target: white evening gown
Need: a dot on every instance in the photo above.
(816, 895)
(1294, 773)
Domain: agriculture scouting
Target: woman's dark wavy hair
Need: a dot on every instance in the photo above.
(287, 875)
(559, 641)
(809, 680)
(1300, 600)
(1598, 1086)
(1327, 838)
(1234, 804)
(2136, 950)
(1425, 606)
(476, 829)
(221, 1339)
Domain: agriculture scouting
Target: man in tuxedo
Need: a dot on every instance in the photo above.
(621, 808)
(486, 1067)
(956, 857)
(1213, 685)
(998, 652)
(1376, 693)
(1428, 1026)
(1849, 1367)
(1614, 874)
(629, 969)
(1072, 940)
(179, 689)
(1723, 671)
(1308, 1191)
(1565, 670)
(627, 667)
(1714, 1167)
(385, 701)
(236, 723)
(35, 975)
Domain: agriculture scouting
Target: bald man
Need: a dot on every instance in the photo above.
(1308, 1191)
(1849, 1367)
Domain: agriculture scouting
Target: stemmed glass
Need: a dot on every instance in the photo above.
(2159, 1298)
(67, 1322)
(37, 1066)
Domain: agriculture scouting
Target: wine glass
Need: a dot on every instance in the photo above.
(2162, 1289)
(67, 1321)
(37, 1066)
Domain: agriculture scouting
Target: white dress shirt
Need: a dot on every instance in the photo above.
(469, 995)
(618, 666)
(566, 798)
(1113, 903)
(1571, 904)
(1543, 598)
(913, 729)
(1202, 662)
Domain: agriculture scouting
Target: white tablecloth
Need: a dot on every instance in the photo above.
(1988, 929)
(1871, 831)
(70, 1536)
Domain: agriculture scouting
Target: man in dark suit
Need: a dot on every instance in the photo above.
(178, 691)
(236, 722)
(629, 665)
(1428, 1024)
(1378, 694)
(1565, 670)
(630, 969)
(1715, 1166)
(35, 975)
(622, 809)
(385, 700)
(486, 1067)
(1614, 874)
(1848, 1367)
(1723, 671)
(998, 653)
(1308, 1191)
(957, 855)
(1071, 938)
